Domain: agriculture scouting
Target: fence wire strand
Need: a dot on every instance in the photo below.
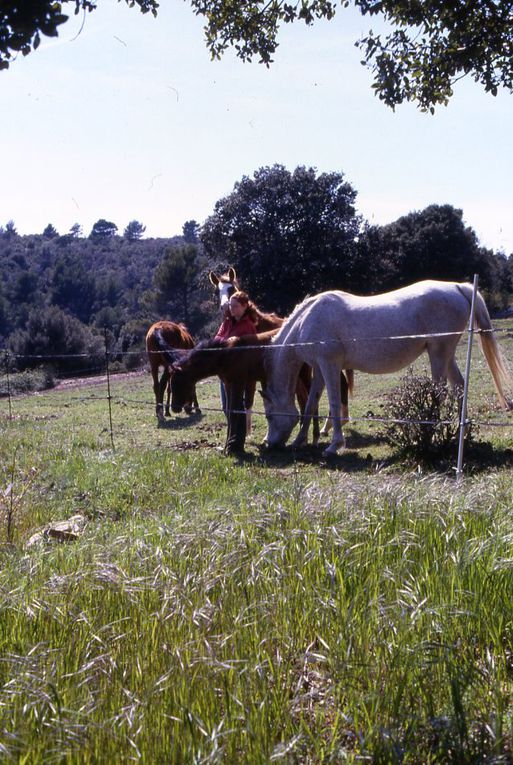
(115, 355)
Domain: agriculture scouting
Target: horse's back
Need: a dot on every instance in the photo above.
(423, 306)
(173, 334)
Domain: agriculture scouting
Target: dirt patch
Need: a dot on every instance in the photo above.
(80, 382)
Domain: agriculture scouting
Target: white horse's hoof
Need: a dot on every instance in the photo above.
(333, 449)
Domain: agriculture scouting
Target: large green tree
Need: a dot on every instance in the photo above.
(433, 243)
(430, 43)
(286, 233)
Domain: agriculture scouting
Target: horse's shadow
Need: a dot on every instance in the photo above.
(349, 460)
(357, 440)
(180, 423)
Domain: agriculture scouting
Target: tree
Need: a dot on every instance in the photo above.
(433, 243)
(103, 229)
(76, 230)
(433, 43)
(65, 342)
(10, 230)
(22, 23)
(286, 233)
(190, 231)
(50, 232)
(176, 280)
(134, 231)
(73, 286)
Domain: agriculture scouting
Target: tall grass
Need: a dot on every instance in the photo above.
(267, 610)
(373, 623)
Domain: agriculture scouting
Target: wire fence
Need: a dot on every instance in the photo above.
(12, 360)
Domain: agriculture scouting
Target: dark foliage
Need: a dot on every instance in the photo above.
(288, 234)
(429, 45)
(23, 23)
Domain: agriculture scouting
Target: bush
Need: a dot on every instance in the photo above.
(424, 417)
(38, 379)
(62, 340)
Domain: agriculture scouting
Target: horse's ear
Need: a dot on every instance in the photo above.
(214, 279)
(231, 274)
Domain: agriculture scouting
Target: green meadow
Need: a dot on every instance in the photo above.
(277, 608)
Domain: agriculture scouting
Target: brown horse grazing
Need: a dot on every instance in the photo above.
(162, 335)
(226, 284)
(238, 361)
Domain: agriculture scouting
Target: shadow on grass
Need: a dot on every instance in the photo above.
(483, 455)
(478, 458)
(179, 422)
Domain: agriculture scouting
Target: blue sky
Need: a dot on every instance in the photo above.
(126, 117)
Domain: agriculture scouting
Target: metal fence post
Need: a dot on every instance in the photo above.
(463, 413)
(109, 397)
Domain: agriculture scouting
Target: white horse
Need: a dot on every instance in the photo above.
(377, 334)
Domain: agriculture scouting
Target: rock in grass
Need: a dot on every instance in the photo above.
(59, 531)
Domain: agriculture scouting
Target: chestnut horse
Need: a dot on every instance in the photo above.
(164, 334)
(226, 284)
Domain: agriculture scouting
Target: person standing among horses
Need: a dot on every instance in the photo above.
(240, 319)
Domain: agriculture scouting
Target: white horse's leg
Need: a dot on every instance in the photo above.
(316, 388)
(344, 416)
(327, 425)
(454, 375)
(344, 407)
(331, 374)
(442, 361)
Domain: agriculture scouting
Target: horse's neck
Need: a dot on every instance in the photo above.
(203, 363)
(266, 321)
(282, 367)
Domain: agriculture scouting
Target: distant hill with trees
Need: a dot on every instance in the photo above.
(288, 234)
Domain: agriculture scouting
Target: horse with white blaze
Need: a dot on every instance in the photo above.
(378, 334)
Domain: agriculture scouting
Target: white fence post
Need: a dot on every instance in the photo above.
(463, 413)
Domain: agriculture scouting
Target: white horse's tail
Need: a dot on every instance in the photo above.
(489, 346)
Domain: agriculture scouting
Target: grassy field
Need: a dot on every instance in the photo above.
(279, 608)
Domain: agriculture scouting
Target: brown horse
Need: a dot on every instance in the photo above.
(238, 361)
(226, 284)
(162, 335)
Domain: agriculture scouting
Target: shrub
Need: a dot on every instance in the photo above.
(38, 379)
(424, 417)
(62, 340)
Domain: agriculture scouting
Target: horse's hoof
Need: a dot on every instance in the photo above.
(298, 443)
(333, 449)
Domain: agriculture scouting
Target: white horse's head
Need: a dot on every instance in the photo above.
(282, 417)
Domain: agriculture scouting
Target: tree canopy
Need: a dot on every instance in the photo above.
(287, 232)
(429, 45)
(23, 23)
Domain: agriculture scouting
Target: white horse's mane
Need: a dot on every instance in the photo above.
(291, 317)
